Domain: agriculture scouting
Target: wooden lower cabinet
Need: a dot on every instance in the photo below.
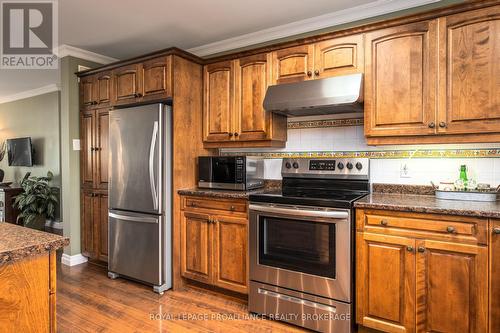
(419, 280)
(214, 244)
(494, 276)
(94, 225)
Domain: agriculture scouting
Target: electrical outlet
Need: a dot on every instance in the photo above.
(404, 170)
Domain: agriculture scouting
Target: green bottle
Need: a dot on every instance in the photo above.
(463, 173)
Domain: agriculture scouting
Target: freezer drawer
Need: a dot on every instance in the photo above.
(135, 246)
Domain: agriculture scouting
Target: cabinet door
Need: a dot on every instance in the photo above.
(87, 223)
(87, 119)
(385, 282)
(469, 69)
(293, 64)
(196, 247)
(339, 56)
(127, 84)
(400, 80)
(101, 149)
(101, 226)
(87, 92)
(252, 75)
(157, 78)
(219, 101)
(103, 89)
(230, 255)
(494, 275)
(452, 290)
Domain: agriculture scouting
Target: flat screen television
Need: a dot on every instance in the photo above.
(20, 152)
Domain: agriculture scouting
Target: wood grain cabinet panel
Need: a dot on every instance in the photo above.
(452, 292)
(88, 97)
(157, 78)
(87, 223)
(230, 253)
(101, 149)
(386, 282)
(196, 247)
(127, 84)
(219, 101)
(339, 56)
(494, 276)
(101, 228)
(400, 80)
(469, 63)
(293, 64)
(102, 87)
(87, 156)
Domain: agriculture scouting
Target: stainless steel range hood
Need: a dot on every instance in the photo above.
(340, 94)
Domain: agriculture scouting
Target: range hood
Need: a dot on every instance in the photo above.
(340, 94)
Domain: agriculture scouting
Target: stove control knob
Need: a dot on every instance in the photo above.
(295, 165)
(288, 165)
(340, 165)
(349, 165)
(359, 166)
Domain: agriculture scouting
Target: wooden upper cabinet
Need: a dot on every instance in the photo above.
(494, 276)
(127, 84)
(88, 98)
(385, 282)
(452, 292)
(469, 65)
(87, 156)
(293, 64)
(401, 80)
(102, 86)
(230, 254)
(339, 56)
(252, 76)
(219, 101)
(196, 247)
(157, 78)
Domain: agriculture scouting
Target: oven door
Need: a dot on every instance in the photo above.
(307, 249)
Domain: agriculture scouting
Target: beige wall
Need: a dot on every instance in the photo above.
(38, 118)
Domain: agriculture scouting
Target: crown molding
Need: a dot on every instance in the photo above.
(68, 50)
(30, 93)
(372, 9)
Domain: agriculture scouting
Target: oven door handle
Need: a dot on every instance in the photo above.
(300, 212)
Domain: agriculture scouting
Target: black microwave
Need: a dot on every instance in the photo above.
(230, 172)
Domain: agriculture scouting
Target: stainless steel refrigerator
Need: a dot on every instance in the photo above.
(140, 198)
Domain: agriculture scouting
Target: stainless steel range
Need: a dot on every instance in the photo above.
(302, 244)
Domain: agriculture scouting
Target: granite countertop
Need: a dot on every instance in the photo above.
(223, 194)
(18, 242)
(428, 204)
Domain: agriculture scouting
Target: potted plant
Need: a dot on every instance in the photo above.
(37, 202)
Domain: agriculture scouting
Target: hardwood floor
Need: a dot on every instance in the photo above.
(87, 301)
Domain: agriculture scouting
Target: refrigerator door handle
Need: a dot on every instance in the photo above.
(151, 165)
(133, 218)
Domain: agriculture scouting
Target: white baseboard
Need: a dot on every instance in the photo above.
(74, 260)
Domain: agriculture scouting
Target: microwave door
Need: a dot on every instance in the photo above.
(135, 143)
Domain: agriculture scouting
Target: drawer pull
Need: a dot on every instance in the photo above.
(384, 223)
(409, 248)
(496, 231)
(450, 230)
(232, 208)
(192, 204)
(421, 249)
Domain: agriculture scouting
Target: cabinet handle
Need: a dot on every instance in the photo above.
(316, 72)
(232, 208)
(409, 248)
(450, 230)
(236, 134)
(192, 204)
(230, 134)
(384, 223)
(442, 124)
(496, 231)
(137, 95)
(92, 148)
(421, 249)
(432, 125)
(309, 73)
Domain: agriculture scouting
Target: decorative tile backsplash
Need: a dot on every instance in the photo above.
(313, 137)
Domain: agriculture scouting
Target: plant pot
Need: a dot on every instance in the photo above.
(38, 223)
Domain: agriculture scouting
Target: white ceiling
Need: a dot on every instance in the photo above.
(126, 28)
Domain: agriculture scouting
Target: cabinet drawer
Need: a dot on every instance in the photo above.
(465, 229)
(206, 203)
